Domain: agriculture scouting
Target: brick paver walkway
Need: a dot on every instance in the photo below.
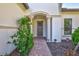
(40, 48)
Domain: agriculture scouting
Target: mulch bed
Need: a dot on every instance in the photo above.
(59, 49)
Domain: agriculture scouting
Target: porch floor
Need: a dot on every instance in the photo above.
(40, 48)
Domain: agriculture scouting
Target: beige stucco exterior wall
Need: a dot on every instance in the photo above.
(50, 8)
(9, 13)
(75, 22)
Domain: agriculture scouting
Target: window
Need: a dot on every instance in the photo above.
(67, 26)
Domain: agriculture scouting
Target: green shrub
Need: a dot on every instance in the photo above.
(75, 36)
(23, 38)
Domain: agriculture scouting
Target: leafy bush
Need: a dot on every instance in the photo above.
(23, 37)
(75, 36)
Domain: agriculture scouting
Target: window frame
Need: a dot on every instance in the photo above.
(70, 20)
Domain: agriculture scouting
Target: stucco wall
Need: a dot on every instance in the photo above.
(75, 23)
(9, 13)
(51, 8)
(5, 34)
(56, 28)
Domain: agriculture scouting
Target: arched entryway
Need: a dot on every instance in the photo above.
(39, 25)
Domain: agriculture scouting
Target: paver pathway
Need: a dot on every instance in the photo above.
(40, 48)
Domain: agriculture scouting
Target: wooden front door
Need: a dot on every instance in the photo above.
(40, 28)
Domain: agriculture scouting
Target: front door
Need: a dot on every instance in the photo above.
(40, 28)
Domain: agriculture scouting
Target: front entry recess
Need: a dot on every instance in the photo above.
(40, 28)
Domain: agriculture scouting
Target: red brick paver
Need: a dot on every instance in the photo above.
(40, 48)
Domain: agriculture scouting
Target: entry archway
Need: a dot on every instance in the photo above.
(41, 24)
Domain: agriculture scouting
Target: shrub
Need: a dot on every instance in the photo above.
(75, 36)
(23, 37)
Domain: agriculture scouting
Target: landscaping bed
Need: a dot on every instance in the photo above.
(59, 49)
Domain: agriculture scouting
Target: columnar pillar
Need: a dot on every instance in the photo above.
(31, 26)
(31, 17)
(48, 29)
